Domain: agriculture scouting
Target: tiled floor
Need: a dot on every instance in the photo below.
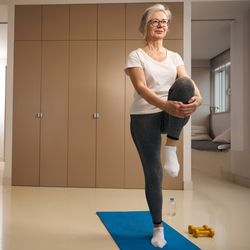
(64, 218)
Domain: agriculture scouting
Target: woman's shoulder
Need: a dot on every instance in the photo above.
(135, 52)
(175, 57)
(172, 53)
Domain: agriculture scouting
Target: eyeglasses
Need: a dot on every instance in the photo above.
(156, 22)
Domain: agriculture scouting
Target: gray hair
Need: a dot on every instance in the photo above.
(148, 13)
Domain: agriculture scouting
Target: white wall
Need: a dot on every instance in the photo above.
(2, 105)
(240, 111)
(3, 12)
(201, 76)
(3, 64)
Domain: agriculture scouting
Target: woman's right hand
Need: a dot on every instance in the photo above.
(174, 108)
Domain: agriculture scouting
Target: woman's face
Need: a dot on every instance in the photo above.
(157, 26)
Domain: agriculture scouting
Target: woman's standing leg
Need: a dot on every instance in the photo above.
(146, 133)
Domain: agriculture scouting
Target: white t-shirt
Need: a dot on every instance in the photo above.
(160, 76)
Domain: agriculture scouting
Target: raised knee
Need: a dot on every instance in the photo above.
(184, 82)
(181, 90)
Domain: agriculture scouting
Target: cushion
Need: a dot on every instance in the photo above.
(198, 129)
(223, 137)
(201, 137)
(200, 133)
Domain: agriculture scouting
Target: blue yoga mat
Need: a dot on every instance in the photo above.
(133, 231)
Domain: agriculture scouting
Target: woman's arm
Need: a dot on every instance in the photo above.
(138, 80)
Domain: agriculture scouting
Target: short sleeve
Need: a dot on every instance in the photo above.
(178, 60)
(133, 60)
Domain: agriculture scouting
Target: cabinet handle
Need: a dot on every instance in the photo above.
(96, 115)
(39, 115)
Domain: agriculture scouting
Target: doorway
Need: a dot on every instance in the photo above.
(214, 28)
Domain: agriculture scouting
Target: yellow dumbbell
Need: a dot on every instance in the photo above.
(191, 228)
(200, 231)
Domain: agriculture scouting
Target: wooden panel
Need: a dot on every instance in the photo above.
(134, 13)
(82, 105)
(83, 22)
(28, 22)
(110, 105)
(55, 25)
(176, 26)
(134, 177)
(54, 129)
(26, 127)
(111, 21)
(174, 45)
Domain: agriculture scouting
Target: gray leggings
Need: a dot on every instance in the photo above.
(146, 130)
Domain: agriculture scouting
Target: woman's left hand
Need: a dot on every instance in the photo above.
(193, 103)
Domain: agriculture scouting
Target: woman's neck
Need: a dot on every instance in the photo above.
(154, 46)
(156, 51)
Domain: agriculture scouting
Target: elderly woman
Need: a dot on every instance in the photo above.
(164, 98)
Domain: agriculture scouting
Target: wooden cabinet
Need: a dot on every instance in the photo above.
(71, 122)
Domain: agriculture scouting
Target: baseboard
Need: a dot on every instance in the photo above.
(243, 181)
(237, 179)
(188, 185)
(6, 180)
(228, 176)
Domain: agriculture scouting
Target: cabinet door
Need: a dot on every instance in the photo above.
(28, 22)
(26, 127)
(134, 12)
(83, 22)
(110, 105)
(176, 25)
(134, 177)
(174, 45)
(82, 106)
(54, 124)
(111, 21)
(55, 24)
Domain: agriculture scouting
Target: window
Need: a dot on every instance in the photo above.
(220, 72)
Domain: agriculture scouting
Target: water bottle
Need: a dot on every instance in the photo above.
(171, 207)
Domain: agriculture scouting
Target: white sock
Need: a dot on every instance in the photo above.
(158, 239)
(171, 161)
